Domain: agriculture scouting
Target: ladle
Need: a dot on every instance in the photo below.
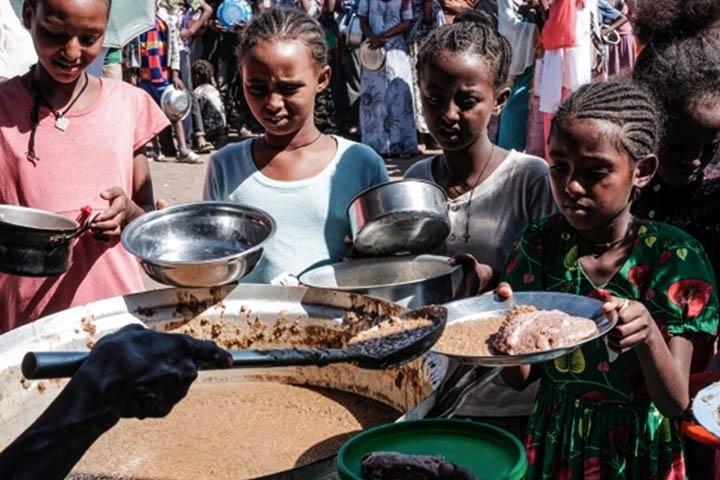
(376, 353)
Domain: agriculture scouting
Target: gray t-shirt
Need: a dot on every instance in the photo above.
(517, 192)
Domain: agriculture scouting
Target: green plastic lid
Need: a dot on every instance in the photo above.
(487, 451)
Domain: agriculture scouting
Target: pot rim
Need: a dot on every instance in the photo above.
(392, 183)
(38, 211)
(141, 220)
(422, 257)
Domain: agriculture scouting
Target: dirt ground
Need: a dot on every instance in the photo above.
(180, 183)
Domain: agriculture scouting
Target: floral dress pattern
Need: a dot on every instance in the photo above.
(593, 418)
(386, 98)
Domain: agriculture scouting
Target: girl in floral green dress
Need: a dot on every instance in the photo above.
(597, 414)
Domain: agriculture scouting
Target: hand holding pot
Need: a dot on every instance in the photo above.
(122, 211)
(477, 277)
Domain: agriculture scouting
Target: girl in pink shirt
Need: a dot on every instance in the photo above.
(69, 139)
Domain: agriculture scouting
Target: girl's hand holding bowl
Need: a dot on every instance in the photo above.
(122, 210)
(635, 325)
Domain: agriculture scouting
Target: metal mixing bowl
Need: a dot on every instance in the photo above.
(199, 244)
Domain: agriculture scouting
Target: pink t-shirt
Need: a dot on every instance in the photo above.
(93, 154)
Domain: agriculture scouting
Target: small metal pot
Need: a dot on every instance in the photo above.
(399, 218)
(36, 243)
(408, 281)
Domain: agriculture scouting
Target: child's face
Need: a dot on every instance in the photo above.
(592, 176)
(690, 143)
(68, 34)
(459, 96)
(280, 81)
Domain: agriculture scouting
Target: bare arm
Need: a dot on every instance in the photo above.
(665, 365)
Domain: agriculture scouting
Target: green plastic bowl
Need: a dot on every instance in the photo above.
(487, 451)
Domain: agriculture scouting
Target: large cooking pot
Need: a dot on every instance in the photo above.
(412, 281)
(35, 242)
(295, 316)
(401, 217)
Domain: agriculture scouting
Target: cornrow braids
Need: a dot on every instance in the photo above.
(473, 37)
(619, 102)
(681, 71)
(281, 24)
(678, 19)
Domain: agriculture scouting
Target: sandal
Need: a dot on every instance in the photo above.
(206, 147)
(189, 157)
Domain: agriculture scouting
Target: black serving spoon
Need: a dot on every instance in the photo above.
(367, 349)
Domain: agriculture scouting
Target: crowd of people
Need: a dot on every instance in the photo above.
(574, 160)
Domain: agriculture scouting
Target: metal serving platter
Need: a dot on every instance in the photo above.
(487, 306)
(266, 314)
(706, 408)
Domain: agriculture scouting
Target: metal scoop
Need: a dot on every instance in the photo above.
(365, 350)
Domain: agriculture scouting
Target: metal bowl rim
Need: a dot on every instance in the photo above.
(42, 212)
(451, 271)
(135, 224)
(394, 182)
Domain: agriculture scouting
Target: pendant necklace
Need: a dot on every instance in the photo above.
(61, 122)
(290, 149)
(467, 235)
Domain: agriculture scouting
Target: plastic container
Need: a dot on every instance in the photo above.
(487, 451)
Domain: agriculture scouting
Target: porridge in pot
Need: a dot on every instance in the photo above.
(234, 431)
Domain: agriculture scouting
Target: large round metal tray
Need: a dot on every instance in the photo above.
(706, 408)
(487, 306)
(239, 310)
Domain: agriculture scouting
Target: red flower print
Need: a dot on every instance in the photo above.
(592, 470)
(639, 275)
(600, 294)
(677, 468)
(594, 396)
(649, 294)
(511, 262)
(662, 326)
(618, 438)
(665, 256)
(691, 295)
(530, 449)
(538, 247)
(603, 366)
(636, 381)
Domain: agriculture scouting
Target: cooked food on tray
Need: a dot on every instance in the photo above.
(236, 430)
(528, 330)
(523, 330)
(401, 466)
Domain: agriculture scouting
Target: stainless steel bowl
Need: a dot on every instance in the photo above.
(199, 244)
(402, 217)
(409, 281)
(175, 103)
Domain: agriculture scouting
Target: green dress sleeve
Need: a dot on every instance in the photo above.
(524, 267)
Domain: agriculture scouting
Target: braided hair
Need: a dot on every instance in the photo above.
(280, 24)
(470, 36)
(622, 103)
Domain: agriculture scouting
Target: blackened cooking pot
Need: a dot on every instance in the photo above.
(36, 243)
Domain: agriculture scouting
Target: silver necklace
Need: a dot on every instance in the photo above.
(467, 235)
(61, 122)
